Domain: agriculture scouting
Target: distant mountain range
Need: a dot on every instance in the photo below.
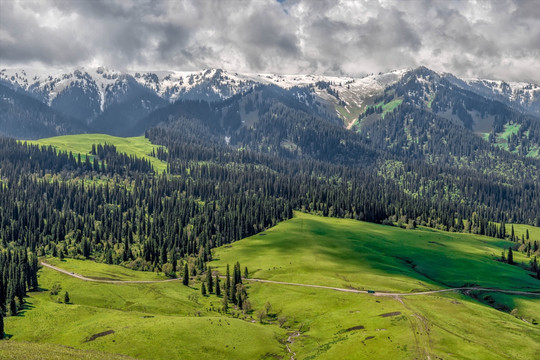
(38, 103)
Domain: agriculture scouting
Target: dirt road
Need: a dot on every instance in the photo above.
(376, 293)
(81, 277)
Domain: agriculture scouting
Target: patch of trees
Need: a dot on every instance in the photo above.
(118, 163)
(20, 159)
(326, 85)
(18, 274)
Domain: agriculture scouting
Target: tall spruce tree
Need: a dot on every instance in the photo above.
(218, 287)
(513, 234)
(227, 281)
(209, 280)
(13, 307)
(1, 325)
(237, 273)
(225, 303)
(510, 257)
(185, 278)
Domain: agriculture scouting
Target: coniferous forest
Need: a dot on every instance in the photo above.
(115, 209)
(276, 180)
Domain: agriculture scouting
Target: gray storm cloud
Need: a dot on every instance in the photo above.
(490, 39)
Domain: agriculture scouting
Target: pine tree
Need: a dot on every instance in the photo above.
(203, 289)
(1, 325)
(126, 255)
(246, 273)
(218, 287)
(239, 296)
(109, 257)
(510, 258)
(185, 278)
(66, 298)
(2, 297)
(232, 294)
(209, 280)
(13, 307)
(173, 261)
(227, 281)
(225, 303)
(513, 235)
(527, 234)
(237, 274)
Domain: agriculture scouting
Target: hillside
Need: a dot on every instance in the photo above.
(22, 116)
(113, 102)
(82, 144)
(306, 250)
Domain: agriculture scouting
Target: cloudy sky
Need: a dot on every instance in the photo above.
(488, 39)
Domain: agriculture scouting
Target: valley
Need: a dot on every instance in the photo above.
(269, 179)
(308, 250)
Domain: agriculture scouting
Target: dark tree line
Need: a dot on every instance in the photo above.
(18, 274)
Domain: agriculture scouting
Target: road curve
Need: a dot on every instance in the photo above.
(382, 293)
(376, 293)
(81, 277)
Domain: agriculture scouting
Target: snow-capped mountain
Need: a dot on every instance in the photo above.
(209, 85)
(112, 101)
(524, 96)
(85, 93)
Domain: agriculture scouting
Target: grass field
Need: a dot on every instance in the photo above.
(22, 350)
(102, 271)
(149, 321)
(170, 321)
(82, 144)
(519, 229)
(389, 107)
(345, 253)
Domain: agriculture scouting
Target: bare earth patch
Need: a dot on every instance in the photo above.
(395, 313)
(98, 335)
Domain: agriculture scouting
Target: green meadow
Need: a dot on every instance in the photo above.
(167, 320)
(102, 271)
(138, 146)
(520, 229)
(344, 253)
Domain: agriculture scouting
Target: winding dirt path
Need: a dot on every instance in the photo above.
(375, 293)
(382, 293)
(84, 278)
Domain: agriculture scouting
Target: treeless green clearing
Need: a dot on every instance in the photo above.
(346, 253)
(138, 146)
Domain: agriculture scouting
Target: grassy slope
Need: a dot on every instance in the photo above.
(520, 229)
(160, 321)
(102, 271)
(338, 252)
(389, 107)
(21, 350)
(151, 321)
(345, 253)
(138, 146)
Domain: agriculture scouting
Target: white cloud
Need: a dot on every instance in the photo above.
(499, 39)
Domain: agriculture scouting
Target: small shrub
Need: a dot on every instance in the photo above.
(55, 289)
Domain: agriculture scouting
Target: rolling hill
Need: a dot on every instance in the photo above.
(317, 323)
